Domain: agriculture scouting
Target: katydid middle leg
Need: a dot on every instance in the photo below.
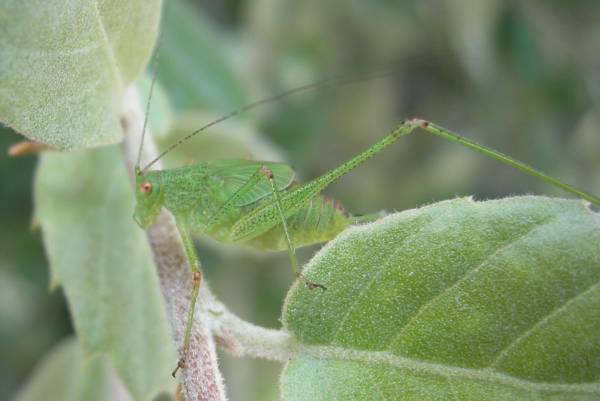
(290, 244)
(264, 172)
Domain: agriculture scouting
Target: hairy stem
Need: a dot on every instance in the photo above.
(241, 338)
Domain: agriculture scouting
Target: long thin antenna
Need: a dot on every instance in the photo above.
(147, 111)
(336, 81)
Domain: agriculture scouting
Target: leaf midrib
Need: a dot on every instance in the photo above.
(540, 323)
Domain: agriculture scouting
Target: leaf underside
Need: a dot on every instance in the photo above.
(464, 300)
(64, 66)
(83, 203)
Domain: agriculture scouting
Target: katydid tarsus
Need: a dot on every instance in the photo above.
(257, 203)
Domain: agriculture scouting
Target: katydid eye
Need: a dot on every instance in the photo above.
(146, 187)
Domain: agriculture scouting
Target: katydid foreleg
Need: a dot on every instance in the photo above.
(194, 261)
(195, 267)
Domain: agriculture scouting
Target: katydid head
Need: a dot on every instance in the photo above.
(149, 199)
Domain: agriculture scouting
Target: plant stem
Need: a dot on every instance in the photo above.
(241, 338)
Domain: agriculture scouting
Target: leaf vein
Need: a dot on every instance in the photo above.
(468, 274)
(559, 309)
(368, 284)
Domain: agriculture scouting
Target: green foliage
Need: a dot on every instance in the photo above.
(488, 300)
(225, 141)
(64, 66)
(195, 64)
(83, 203)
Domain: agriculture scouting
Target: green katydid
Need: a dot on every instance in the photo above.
(257, 203)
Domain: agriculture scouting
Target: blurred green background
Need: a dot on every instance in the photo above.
(521, 77)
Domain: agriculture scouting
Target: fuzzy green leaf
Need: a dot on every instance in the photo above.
(102, 260)
(460, 300)
(64, 375)
(64, 66)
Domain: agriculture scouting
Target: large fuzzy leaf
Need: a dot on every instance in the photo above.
(459, 300)
(64, 66)
(102, 260)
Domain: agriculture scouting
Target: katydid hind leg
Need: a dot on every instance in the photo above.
(509, 161)
(267, 216)
(407, 127)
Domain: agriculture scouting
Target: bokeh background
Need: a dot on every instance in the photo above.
(521, 77)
